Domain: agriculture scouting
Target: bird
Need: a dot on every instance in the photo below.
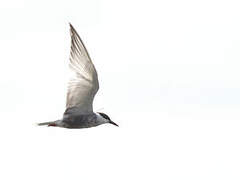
(82, 88)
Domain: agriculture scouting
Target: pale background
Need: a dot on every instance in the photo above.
(169, 76)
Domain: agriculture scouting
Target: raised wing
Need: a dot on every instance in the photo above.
(83, 84)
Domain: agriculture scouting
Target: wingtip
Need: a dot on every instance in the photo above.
(71, 27)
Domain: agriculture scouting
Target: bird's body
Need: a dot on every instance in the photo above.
(83, 121)
(81, 90)
(78, 121)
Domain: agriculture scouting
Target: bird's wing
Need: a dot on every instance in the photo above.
(83, 84)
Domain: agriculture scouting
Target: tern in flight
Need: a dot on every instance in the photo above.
(82, 88)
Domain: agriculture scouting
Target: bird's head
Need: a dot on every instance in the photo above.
(107, 118)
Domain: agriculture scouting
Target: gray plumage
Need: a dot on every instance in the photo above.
(82, 89)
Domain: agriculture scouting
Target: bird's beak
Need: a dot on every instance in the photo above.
(111, 122)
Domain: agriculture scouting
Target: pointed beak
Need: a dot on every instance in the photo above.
(111, 122)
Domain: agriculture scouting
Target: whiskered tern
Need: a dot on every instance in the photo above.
(82, 88)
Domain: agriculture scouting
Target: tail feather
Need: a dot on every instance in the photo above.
(51, 123)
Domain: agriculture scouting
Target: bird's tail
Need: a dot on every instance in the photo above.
(50, 123)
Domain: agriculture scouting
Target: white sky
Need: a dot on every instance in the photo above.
(169, 76)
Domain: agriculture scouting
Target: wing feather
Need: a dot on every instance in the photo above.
(83, 85)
